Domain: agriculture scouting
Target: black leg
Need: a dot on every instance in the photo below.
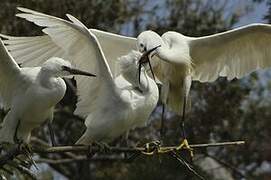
(52, 134)
(124, 143)
(125, 139)
(185, 142)
(183, 119)
(15, 137)
(162, 129)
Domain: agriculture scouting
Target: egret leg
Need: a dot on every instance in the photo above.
(15, 137)
(52, 134)
(102, 146)
(23, 146)
(184, 144)
(183, 119)
(124, 139)
(124, 142)
(162, 129)
(90, 153)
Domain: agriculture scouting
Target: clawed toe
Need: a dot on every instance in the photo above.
(151, 147)
(103, 147)
(185, 145)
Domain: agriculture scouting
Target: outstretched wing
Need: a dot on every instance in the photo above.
(31, 51)
(82, 48)
(9, 76)
(231, 54)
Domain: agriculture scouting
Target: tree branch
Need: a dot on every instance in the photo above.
(81, 148)
(80, 158)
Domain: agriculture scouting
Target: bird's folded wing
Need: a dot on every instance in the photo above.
(9, 76)
(31, 51)
(82, 48)
(231, 54)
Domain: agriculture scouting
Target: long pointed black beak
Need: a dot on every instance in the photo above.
(74, 71)
(145, 56)
(145, 59)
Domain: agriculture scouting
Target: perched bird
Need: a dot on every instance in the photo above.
(112, 103)
(29, 94)
(181, 59)
(117, 104)
(177, 62)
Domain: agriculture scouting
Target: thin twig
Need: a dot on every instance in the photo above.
(186, 164)
(227, 165)
(10, 155)
(79, 158)
(7, 170)
(79, 148)
(23, 169)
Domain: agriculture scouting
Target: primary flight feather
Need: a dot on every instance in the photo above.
(29, 94)
(112, 103)
(231, 54)
(179, 60)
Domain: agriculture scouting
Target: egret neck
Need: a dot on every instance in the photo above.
(144, 84)
(48, 79)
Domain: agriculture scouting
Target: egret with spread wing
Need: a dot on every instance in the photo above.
(179, 60)
(112, 103)
(231, 54)
(29, 94)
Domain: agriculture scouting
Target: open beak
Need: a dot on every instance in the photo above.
(145, 56)
(145, 59)
(79, 72)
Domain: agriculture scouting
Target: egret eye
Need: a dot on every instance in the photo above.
(65, 68)
(141, 45)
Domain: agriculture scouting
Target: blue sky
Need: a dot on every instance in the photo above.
(255, 16)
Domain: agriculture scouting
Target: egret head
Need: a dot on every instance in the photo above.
(148, 40)
(59, 68)
(132, 64)
(129, 65)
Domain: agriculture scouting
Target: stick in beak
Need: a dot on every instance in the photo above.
(74, 71)
(145, 59)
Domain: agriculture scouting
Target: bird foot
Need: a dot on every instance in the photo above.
(151, 147)
(103, 147)
(185, 145)
(26, 149)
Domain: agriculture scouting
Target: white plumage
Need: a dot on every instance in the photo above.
(231, 54)
(117, 105)
(112, 103)
(29, 94)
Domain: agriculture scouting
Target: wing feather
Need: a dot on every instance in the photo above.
(82, 48)
(113, 46)
(32, 51)
(232, 54)
(9, 74)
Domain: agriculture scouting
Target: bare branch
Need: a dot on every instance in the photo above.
(80, 158)
(81, 148)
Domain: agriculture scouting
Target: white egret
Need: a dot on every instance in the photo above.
(30, 94)
(179, 60)
(231, 54)
(117, 104)
(112, 103)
